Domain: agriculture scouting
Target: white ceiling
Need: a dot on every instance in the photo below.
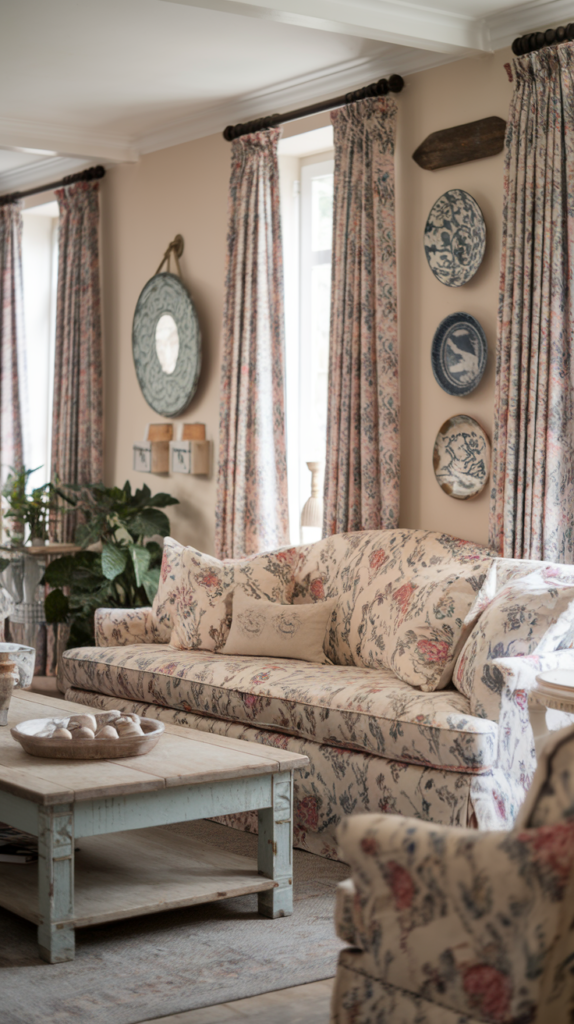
(114, 79)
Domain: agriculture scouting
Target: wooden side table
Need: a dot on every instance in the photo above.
(554, 689)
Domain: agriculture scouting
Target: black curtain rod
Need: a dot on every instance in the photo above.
(380, 88)
(537, 40)
(91, 174)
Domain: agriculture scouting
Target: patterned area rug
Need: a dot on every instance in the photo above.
(135, 970)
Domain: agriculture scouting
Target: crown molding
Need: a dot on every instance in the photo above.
(40, 172)
(396, 22)
(66, 141)
(529, 17)
(297, 92)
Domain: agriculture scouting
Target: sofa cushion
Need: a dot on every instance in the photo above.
(533, 614)
(201, 595)
(347, 565)
(351, 707)
(263, 628)
(417, 628)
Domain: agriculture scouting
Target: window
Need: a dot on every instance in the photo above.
(39, 275)
(307, 215)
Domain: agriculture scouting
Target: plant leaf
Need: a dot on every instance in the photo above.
(161, 500)
(141, 558)
(150, 581)
(59, 573)
(56, 607)
(114, 560)
(149, 522)
(87, 533)
(4, 563)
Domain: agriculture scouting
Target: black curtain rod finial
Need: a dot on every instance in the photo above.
(532, 41)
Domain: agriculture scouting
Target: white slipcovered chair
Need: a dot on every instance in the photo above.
(455, 926)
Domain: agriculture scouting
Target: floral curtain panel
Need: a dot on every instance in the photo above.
(532, 498)
(13, 377)
(362, 463)
(252, 511)
(77, 451)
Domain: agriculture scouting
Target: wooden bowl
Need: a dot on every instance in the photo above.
(85, 750)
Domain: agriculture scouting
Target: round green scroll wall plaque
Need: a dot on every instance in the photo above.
(166, 343)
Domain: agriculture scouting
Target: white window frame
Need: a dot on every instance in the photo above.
(308, 259)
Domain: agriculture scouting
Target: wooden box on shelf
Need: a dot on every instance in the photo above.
(192, 453)
(152, 455)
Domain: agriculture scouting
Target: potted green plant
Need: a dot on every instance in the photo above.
(28, 512)
(124, 570)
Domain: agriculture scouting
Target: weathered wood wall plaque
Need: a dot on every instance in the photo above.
(464, 142)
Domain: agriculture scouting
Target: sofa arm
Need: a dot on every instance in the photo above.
(463, 918)
(502, 696)
(116, 627)
(507, 681)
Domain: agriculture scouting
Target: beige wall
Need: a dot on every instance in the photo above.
(446, 96)
(184, 189)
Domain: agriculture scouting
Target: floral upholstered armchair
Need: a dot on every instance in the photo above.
(453, 926)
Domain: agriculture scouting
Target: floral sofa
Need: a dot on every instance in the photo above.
(448, 926)
(452, 754)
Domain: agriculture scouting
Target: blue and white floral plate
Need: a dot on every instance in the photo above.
(455, 238)
(459, 353)
(461, 457)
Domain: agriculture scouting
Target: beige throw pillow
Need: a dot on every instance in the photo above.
(201, 593)
(263, 629)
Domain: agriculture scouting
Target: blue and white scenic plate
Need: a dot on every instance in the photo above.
(461, 457)
(455, 238)
(459, 353)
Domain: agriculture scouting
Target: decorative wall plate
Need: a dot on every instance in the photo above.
(455, 238)
(459, 353)
(461, 457)
(166, 343)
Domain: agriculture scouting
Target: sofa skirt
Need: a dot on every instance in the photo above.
(338, 782)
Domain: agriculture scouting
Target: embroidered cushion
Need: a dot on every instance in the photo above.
(259, 628)
(415, 628)
(201, 597)
(529, 615)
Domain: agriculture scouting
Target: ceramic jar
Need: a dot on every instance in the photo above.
(8, 678)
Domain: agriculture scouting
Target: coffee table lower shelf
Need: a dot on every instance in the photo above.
(128, 874)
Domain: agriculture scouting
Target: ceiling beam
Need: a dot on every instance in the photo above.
(390, 21)
(65, 141)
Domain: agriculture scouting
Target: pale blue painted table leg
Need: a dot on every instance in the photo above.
(56, 883)
(275, 848)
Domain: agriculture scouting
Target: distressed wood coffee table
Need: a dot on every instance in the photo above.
(126, 864)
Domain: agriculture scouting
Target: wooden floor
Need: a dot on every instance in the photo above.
(306, 1004)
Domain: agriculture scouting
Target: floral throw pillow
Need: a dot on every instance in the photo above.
(202, 597)
(416, 628)
(164, 600)
(261, 629)
(531, 615)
